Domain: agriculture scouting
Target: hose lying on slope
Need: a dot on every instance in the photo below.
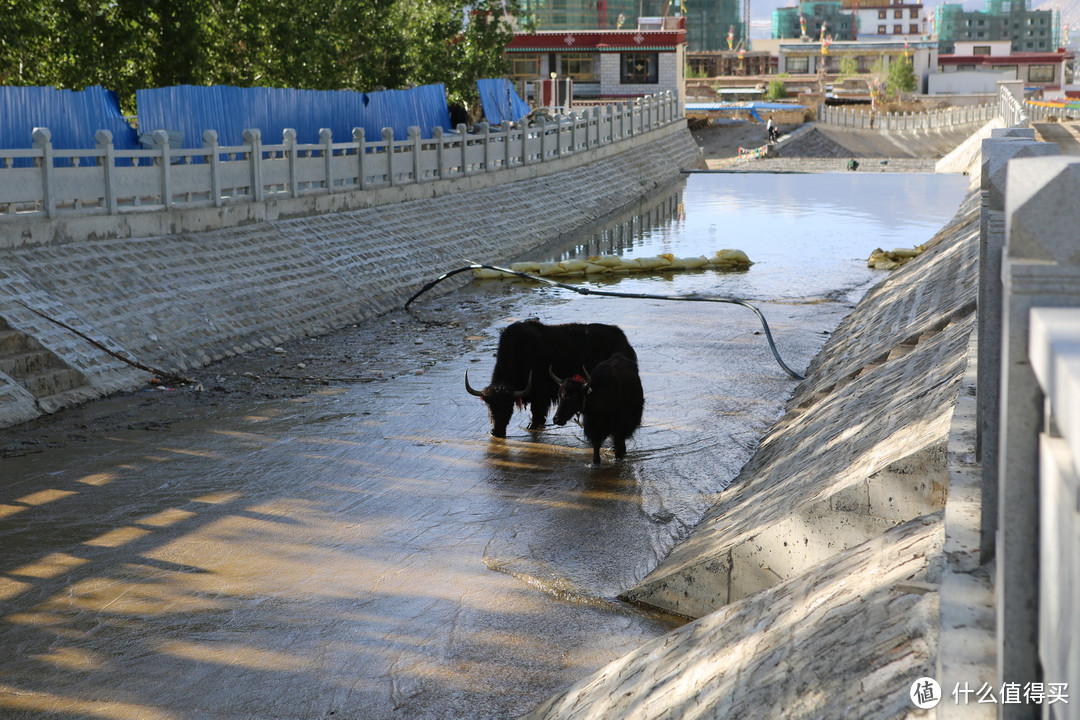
(609, 293)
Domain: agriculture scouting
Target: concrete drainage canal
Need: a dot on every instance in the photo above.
(367, 550)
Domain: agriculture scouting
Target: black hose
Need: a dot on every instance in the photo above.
(608, 293)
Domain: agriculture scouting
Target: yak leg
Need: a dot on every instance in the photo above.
(539, 415)
(620, 447)
(596, 453)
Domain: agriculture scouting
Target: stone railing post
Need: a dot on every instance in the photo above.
(161, 140)
(288, 139)
(42, 138)
(525, 132)
(326, 139)
(1040, 267)
(484, 129)
(1002, 146)
(253, 139)
(388, 143)
(610, 122)
(559, 120)
(213, 157)
(507, 155)
(359, 136)
(415, 144)
(440, 150)
(104, 140)
(463, 136)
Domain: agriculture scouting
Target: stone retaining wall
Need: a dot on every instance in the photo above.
(179, 301)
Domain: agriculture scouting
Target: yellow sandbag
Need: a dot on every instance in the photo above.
(906, 253)
(594, 269)
(630, 266)
(549, 268)
(606, 260)
(670, 257)
(653, 263)
(730, 259)
(693, 263)
(570, 266)
(675, 264)
(485, 274)
(525, 267)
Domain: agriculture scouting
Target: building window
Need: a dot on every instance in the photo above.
(526, 67)
(1010, 70)
(914, 13)
(640, 68)
(898, 13)
(1040, 73)
(980, 50)
(798, 65)
(913, 29)
(898, 29)
(881, 30)
(882, 14)
(578, 66)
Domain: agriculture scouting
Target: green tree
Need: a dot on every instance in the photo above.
(848, 67)
(776, 91)
(901, 76)
(126, 45)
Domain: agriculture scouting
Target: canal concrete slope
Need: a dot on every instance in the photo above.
(180, 301)
(815, 581)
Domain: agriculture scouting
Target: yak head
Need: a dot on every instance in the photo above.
(572, 392)
(500, 401)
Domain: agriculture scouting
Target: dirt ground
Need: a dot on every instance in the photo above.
(373, 351)
(722, 139)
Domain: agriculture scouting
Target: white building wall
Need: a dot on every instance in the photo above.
(965, 82)
(869, 22)
(669, 75)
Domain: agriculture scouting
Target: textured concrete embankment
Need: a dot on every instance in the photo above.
(181, 301)
(815, 581)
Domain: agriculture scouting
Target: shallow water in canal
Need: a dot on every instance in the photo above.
(368, 551)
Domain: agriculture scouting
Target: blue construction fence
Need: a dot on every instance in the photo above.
(74, 116)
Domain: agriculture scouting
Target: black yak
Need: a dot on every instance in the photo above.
(528, 350)
(610, 400)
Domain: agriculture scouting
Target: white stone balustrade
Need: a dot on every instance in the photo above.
(54, 183)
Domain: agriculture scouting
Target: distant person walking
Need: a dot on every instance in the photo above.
(773, 133)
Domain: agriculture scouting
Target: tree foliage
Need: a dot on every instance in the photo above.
(127, 45)
(901, 77)
(777, 90)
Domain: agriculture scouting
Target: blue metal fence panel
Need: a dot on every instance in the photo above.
(73, 117)
(500, 101)
(231, 110)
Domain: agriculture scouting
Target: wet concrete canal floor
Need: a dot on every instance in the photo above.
(364, 549)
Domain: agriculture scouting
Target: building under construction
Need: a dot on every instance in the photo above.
(710, 24)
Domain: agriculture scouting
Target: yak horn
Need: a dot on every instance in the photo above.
(554, 377)
(469, 387)
(588, 379)
(527, 390)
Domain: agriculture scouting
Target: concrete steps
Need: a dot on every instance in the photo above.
(51, 381)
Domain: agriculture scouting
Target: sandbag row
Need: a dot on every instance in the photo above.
(613, 265)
